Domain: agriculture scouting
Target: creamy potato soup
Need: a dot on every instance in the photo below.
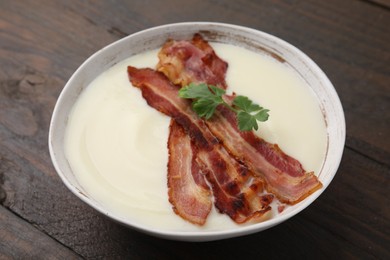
(116, 144)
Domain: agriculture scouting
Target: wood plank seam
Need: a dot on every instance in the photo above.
(383, 164)
(380, 3)
(36, 230)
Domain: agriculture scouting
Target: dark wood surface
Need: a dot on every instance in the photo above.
(43, 42)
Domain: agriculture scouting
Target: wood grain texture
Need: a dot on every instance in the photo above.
(43, 42)
(382, 3)
(20, 240)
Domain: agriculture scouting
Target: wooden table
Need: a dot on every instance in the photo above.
(43, 42)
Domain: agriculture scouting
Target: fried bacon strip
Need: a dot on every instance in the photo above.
(184, 62)
(284, 176)
(235, 190)
(188, 191)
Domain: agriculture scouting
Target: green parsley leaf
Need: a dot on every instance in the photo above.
(193, 91)
(246, 104)
(246, 121)
(217, 91)
(205, 107)
(206, 98)
(262, 115)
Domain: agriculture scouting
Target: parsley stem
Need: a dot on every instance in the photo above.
(229, 106)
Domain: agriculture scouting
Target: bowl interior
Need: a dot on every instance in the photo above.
(215, 32)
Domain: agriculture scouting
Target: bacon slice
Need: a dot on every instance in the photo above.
(204, 55)
(284, 176)
(184, 62)
(188, 191)
(235, 190)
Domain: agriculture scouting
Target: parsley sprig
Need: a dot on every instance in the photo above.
(206, 98)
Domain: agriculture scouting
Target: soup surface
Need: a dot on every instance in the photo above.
(117, 145)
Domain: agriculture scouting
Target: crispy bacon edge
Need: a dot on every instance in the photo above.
(235, 190)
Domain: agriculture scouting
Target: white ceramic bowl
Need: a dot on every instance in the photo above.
(225, 33)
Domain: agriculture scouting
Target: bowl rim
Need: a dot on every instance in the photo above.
(201, 235)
